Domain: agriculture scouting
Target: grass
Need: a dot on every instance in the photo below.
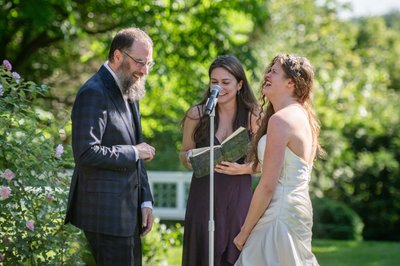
(366, 253)
(338, 252)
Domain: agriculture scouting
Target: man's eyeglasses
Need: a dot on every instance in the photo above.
(149, 64)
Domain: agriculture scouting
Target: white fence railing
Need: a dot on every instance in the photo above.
(170, 192)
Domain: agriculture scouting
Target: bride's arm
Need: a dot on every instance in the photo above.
(277, 139)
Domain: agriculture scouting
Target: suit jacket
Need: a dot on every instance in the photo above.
(108, 184)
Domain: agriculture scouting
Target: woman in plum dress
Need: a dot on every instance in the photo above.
(236, 107)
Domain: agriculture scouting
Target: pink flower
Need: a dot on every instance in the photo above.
(30, 225)
(59, 150)
(16, 76)
(8, 174)
(49, 198)
(7, 64)
(5, 192)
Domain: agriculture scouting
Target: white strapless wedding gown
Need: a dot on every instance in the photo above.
(282, 236)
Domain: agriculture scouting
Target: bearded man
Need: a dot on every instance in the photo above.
(110, 197)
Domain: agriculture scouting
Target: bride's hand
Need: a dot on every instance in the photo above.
(240, 240)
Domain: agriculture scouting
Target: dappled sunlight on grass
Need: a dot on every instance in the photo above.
(325, 245)
(356, 252)
(327, 249)
(337, 252)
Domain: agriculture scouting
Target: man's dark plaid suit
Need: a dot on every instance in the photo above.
(108, 184)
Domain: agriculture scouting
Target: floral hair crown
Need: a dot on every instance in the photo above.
(293, 65)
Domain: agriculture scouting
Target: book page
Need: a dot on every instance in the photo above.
(198, 151)
(235, 147)
(234, 134)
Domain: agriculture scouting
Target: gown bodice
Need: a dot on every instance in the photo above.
(295, 170)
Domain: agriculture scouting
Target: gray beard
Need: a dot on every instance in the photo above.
(134, 91)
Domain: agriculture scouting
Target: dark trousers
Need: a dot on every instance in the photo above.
(114, 250)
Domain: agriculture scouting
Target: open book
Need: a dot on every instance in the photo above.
(231, 149)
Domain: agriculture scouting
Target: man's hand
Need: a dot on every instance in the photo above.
(146, 152)
(147, 220)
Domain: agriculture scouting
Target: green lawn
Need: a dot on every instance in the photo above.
(337, 252)
(366, 253)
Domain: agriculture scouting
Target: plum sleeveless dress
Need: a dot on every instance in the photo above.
(232, 196)
(282, 236)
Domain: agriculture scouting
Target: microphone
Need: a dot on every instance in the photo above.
(212, 100)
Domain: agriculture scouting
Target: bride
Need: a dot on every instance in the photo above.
(277, 229)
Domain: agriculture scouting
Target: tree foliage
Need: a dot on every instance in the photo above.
(188, 35)
(356, 98)
(357, 76)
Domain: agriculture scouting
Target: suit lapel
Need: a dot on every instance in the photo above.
(136, 119)
(117, 99)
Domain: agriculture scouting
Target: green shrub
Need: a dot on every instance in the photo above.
(32, 180)
(335, 220)
(160, 239)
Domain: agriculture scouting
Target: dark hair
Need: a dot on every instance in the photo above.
(125, 38)
(246, 101)
(298, 69)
